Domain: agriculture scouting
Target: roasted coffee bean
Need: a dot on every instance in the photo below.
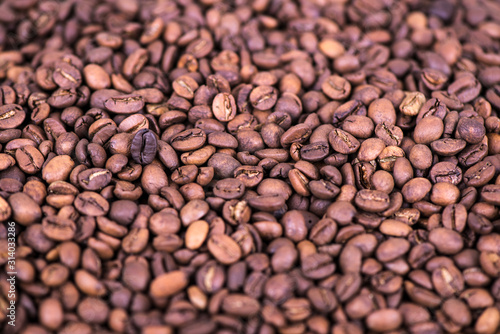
(188, 140)
(143, 147)
(58, 228)
(224, 107)
(372, 200)
(240, 305)
(229, 188)
(124, 104)
(296, 134)
(24, 209)
(428, 130)
(168, 284)
(11, 116)
(471, 130)
(479, 174)
(29, 159)
(390, 134)
(343, 142)
(202, 167)
(224, 248)
(448, 147)
(412, 103)
(94, 179)
(91, 203)
(336, 87)
(455, 217)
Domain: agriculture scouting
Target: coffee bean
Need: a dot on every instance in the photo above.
(201, 169)
(29, 159)
(336, 87)
(250, 176)
(479, 174)
(196, 234)
(51, 313)
(448, 147)
(224, 107)
(94, 179)
(168, 284)
(124, 104)
(343, 142)
(412, 103)
(296, 134)
(11, 116)
(471, 130)
(185, 86)
(91, 203)
(143, 147)
(58, 228)
(455, 217)
(224, 248)
(446, 241)
(384, 320)
(416, 189)
(25, 210)
(428, 130)
(240, 305)
(188, 140)
(372, 200)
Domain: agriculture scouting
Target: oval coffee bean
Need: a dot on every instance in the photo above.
(11, 116)
(144, 146)
(124, 104)
(343, 142)
(189, 140)
(372, 200)
(224, 248)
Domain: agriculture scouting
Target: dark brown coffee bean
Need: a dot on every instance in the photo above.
(471, 130)
(250, 176)
(416, 189)
(144, 146)
(25, 210)
(66, 76)
(263, 97)
(448, 147)
(391, 249)
(446, 172)
(185, 86)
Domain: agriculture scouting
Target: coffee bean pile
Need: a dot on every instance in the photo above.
(256, 167)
